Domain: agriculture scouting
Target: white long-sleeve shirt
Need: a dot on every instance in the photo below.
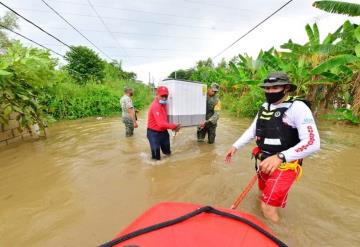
(298, 116)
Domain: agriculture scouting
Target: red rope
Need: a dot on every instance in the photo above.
(241, 197)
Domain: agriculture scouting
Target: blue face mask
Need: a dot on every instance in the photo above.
(163, 102)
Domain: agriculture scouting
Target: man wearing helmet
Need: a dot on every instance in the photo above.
(285, 133)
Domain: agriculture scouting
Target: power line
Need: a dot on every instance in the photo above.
(19, 34)
(106, 27)
(41, 29)
(150, 12)
(162, 3)
(252, 29)
(139, 48)
(218, 6)
(75, 29)
(35, 25)
(132, 10)
(129, 20)
(43, 46)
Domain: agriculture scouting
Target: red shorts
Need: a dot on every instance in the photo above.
(275, 187)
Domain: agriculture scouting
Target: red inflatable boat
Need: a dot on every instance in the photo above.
(189, 225)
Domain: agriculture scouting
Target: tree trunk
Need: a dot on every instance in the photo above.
(329, 96)
(356, 95)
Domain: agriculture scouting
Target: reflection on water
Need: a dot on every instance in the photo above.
(87, 181)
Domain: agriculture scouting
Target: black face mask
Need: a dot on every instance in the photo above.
(274, 97)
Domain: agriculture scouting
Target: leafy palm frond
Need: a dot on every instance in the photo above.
(293, 47)
(335, 62)
(332, 36)
(316, 33)
(310, 33)
(350, 9)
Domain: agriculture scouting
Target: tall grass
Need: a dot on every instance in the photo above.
(68, 100)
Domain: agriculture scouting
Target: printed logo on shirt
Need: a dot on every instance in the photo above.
(309, 143)
(277, 114)
(308, 121)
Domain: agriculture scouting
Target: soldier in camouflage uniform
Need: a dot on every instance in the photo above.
(213, 106)
(128, 112)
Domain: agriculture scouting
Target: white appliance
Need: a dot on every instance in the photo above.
(186, 102)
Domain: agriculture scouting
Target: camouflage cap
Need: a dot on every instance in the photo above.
(214, 86)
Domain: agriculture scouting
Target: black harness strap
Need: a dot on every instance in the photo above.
(205, 209)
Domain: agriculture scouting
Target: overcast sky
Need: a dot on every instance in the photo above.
(159, 36)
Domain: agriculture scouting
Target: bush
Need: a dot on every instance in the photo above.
(343, 114)
(246, 105)
(67, 100)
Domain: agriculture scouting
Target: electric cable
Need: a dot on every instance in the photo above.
(32, 23)
(252, 29)
(23, 36)
(107, 28)
(56, 12)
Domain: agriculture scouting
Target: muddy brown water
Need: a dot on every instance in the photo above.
(87, 181)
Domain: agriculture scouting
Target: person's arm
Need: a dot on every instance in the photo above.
(302, 118)
(131, 112)
(160, 117)
(215, 117)
(248, 135)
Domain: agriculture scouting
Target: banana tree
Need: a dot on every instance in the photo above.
(344, 70)
(310, 55)
(345, 8)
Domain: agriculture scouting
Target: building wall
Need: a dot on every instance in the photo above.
(11, 133)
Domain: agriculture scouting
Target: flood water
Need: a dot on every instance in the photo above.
(87, 181)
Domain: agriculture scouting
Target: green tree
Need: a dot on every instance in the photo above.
(84, 65)
(7, 21)
(350, 9)
(181, 74)
(122, 74)
(344, 69)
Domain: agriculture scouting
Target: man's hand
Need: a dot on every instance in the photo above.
(202, 125)
(270, 164)
(135, 124)
(178, 126)
(229, 154)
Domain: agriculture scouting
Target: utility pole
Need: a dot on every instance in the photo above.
(149, 78)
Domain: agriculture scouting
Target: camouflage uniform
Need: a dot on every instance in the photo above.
(212, 116)
(126, 103)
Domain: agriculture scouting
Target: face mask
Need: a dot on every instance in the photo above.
(163, 102)
(274, 97)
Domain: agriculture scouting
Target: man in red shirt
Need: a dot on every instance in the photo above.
(158, 124)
